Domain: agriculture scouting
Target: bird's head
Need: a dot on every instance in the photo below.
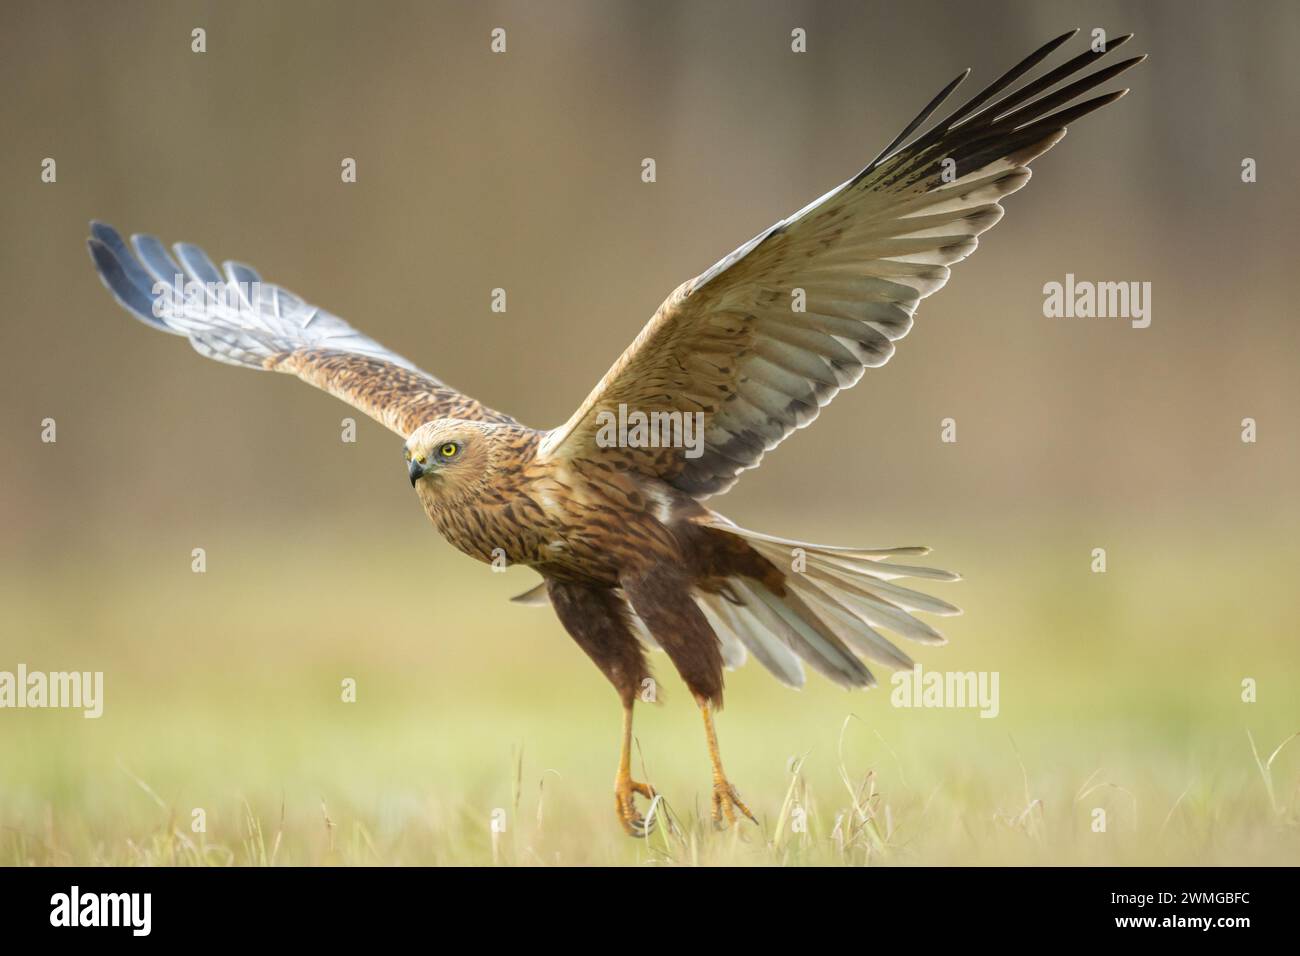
(449, 456)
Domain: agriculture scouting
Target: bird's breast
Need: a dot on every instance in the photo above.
(570, 525)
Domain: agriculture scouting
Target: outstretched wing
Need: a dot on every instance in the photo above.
(237, 318)
(733, 345)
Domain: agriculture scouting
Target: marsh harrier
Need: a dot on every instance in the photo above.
(748, 351)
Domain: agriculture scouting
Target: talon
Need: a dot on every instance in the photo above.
(726, 801)
(625, 790)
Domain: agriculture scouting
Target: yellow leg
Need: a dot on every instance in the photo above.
(625, 788)
(726, 801)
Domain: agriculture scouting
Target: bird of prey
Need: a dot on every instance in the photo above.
(629, 554)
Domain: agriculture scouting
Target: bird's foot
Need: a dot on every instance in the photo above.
(726, 801)
(625, 791)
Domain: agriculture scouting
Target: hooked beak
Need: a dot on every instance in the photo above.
(416, 471)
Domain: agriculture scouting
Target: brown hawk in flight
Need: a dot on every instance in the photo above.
(613, 520)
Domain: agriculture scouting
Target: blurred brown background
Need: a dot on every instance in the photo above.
(522, 171)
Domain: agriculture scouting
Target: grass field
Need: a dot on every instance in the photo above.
(1119, 692)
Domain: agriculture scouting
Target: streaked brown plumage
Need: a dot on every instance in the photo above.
(629, 555)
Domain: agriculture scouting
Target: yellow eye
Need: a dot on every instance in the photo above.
(449, 450)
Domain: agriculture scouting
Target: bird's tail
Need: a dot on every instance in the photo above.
(835, 604)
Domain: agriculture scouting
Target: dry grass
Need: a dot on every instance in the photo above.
(222, 693)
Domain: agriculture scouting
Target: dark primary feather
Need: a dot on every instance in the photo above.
(921, 117)
(973, 137)
(1006, 79)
